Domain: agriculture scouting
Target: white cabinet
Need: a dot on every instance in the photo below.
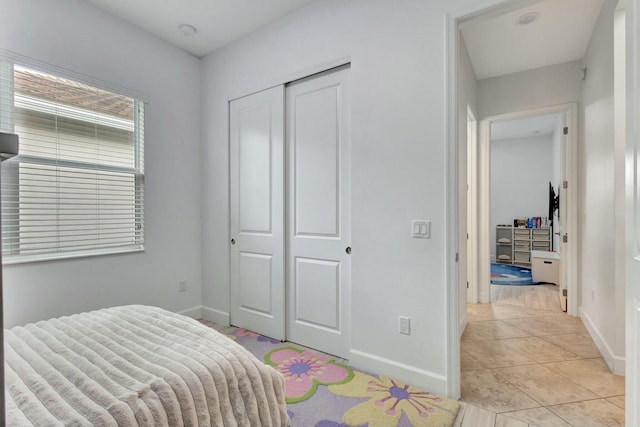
(521, 246)
(514, 245)
(504, 244)
(545, 267)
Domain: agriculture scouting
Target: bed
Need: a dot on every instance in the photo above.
(136, 365)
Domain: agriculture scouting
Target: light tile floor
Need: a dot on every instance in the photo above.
(525, 363)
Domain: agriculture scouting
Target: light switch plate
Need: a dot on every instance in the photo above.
(421, 229)
(405, 325)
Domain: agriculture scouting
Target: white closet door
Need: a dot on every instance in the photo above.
(319, 212)
(257, 212)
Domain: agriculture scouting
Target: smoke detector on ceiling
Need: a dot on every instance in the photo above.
(187, 30)
(527, 18)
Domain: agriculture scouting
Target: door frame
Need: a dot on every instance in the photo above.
(452, 48)
(632, 211)
(472, 206)
(570, 258)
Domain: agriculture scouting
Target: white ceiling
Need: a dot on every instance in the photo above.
(218, 22)
(498, 45)
(524, 128)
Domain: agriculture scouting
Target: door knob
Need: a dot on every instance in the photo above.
(233, 241)
(348, 250)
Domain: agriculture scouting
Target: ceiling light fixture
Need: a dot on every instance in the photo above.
(187, 30)
(527, 18)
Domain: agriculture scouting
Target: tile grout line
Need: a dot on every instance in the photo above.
(514, 385)
(560, 416)
(552, 323)
(554, 372)
(555, 404)
(580, 385)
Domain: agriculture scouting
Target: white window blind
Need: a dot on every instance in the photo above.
(77, 185)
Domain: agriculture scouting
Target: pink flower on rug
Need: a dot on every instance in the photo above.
(303, 371)
(389, 399)
(245, 333)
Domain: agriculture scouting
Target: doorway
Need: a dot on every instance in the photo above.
(525, 241)
(290, 212)
(517, 7)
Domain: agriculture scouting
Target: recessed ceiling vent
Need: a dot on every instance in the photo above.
(187, 30)
(527, 18)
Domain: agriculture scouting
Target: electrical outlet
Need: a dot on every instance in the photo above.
(182, 286)
(405, 325)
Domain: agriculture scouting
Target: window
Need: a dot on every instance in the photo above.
(76, 187)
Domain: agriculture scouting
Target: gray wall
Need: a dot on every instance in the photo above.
(398, 111)
(78, 37)
(521, 169)
(601, 295)
(541, 87)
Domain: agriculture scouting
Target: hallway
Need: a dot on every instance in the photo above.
(525, 360)
(543, 297)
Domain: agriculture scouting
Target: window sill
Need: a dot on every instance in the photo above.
(26, 259)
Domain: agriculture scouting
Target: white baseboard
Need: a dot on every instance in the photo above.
(430, 381)
(485, 297)
(463, 324)
(193, 312)
(216, 316)
(616, 363)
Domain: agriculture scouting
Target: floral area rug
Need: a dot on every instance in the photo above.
(321, 392)
(505, 274)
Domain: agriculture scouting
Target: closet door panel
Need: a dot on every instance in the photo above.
(255, 149)
(319, 207)
(317, 293)
(316, 145)
(256, 286)
(256, 165)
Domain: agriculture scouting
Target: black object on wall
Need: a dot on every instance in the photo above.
(554, 205)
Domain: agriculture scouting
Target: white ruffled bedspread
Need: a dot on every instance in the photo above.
(136, 366)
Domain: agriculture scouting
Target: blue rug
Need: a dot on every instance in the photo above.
(505, 274)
